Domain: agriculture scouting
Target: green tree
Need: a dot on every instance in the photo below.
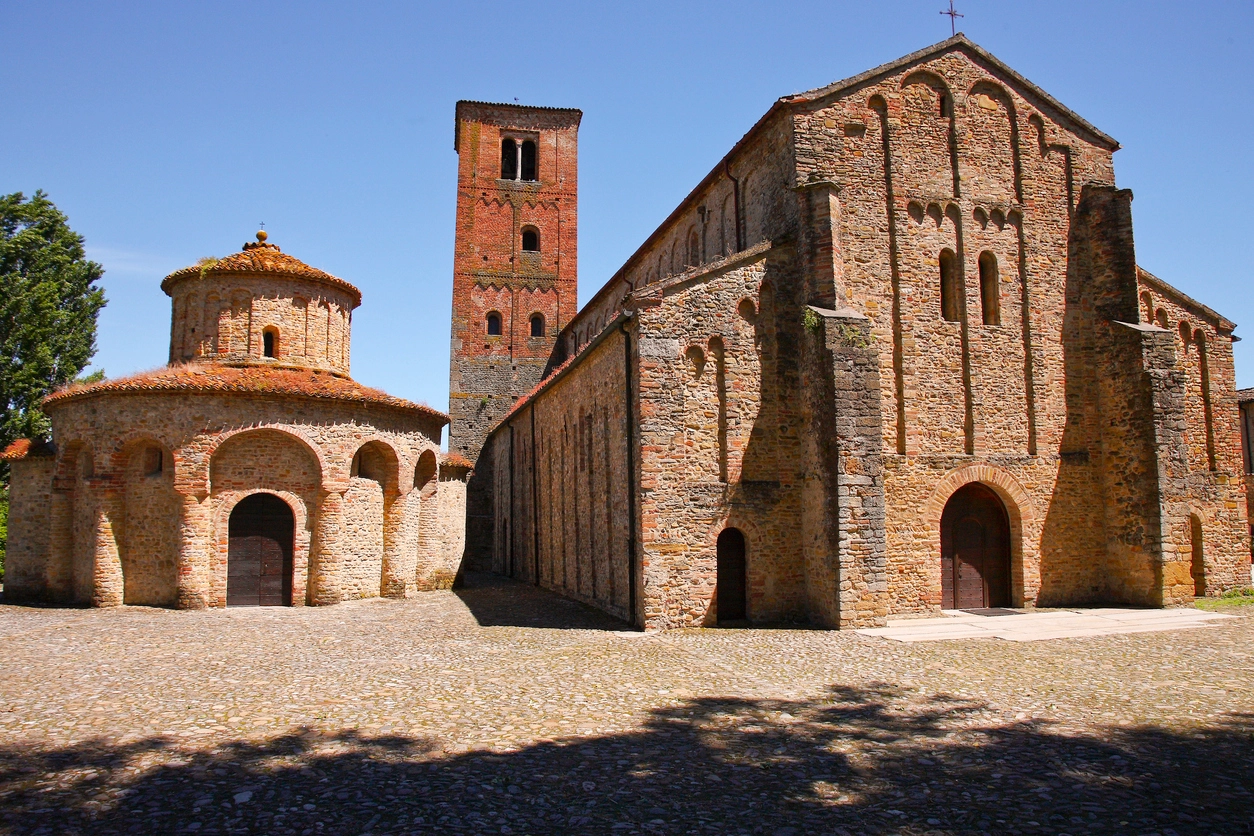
(49, 302)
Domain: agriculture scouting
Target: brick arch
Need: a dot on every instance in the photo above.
(395, 481)
(753, 541)
(1024, 525)
(123, 446)
(220, 544)
(197, 474)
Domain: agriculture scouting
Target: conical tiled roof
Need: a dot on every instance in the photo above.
(260, 258)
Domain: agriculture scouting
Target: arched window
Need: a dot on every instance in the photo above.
(990, 291)
(509, 159)
(537, 325)
(529, 161)
(270, 342)
(1161, 319)
(530, 239)
(1147, 304)
(694, 249)
(951, 291)
(494, 324)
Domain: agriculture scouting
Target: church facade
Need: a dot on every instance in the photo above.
(893, 354)
(251, 470)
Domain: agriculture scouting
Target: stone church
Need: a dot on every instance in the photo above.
(251, 470)
(893, 354)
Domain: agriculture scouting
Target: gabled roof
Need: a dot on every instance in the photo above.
(785, 103)
(973, 49)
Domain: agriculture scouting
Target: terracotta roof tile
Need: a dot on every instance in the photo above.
(456, 460)
(1245, 395)
(22, 448)
(261, 259)
(245, 379)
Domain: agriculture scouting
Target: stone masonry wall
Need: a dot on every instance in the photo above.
(720, 440)
(118, 532)
(30, 521)
(224, 317)
(562, 488)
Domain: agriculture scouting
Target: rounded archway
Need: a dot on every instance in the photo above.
(975, 550)
(730, 586)
(259, 557)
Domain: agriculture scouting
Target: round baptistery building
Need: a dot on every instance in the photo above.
(251, 470)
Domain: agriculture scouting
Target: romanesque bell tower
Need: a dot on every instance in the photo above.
(514, 262)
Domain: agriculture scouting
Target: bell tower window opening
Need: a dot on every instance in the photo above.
(537, 325)
(519, 160)
(270, 342)
(494, 324)
(528, 160)
(509, 159)
(990, 292)
(530, 240)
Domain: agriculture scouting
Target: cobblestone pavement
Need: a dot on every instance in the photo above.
(502, 709)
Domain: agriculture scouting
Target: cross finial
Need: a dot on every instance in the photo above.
(953, 18)
(263, 224)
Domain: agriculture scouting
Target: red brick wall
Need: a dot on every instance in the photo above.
(491, 273)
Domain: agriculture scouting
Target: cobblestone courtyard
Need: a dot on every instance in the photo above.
(501, 709)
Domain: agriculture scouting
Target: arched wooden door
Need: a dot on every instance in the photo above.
(259, 559)
(730, 572)
(975, 550)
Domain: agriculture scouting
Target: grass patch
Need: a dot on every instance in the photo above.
(1231, 598)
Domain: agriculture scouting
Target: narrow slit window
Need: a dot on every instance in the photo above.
(509, 159)
(694, 249)
(529, 161)
(530, 240)
(537, 325)
(951, 298)
(269, 344)
(494, 324)
(990, 291)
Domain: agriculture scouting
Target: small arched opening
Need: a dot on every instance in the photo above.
(530, 239)
(975, 550)
(270, 342)
(494, 324)
(529, 169)
(990, 290)
(730, 577)
(509, 159)
(537, 325)
(694, 248)
(259, 555)
(951, 290)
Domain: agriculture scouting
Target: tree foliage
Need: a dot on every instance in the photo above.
(49, 302)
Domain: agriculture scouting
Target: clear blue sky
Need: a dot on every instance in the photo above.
(167, 131)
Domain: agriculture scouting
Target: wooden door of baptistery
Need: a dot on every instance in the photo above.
(259, 557)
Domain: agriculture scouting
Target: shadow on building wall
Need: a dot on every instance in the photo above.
(847, 763)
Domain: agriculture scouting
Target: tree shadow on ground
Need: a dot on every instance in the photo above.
(496, 601)
(876, 760)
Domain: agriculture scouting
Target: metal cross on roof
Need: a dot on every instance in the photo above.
(953, 17)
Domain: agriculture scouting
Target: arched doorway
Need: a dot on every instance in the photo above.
(730, 576)
(975, 550)
(259, 558)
